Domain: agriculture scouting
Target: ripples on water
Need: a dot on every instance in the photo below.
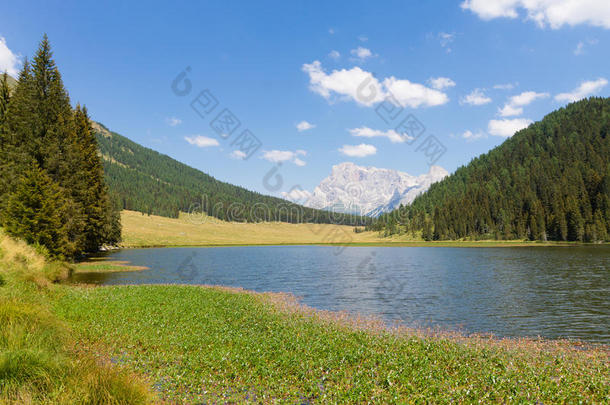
(536, 291)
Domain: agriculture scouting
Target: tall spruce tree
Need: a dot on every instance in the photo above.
(101, 222)
(44, 132)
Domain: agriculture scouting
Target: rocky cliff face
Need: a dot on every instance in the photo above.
(370, 190)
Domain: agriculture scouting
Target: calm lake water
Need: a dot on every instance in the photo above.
(536, 291)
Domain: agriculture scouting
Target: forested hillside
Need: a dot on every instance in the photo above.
(144, 180)
(52, 190)
(549, 181)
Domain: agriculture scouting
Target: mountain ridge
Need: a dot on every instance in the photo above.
(550, 180)
(368, 190)
(142, 179)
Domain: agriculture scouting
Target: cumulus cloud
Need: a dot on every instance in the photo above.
(362, 53)
(441, 83)
(515, 104)
(361, 150)
(471, 136)
(367, 132)
(414, 95)
(296, 195)
(507, 127)
(551, 13)
(280, 156)
(9, 61)
(238, 155)
(476, 97)
(362, 87)
(201, 141)
(334, 54)
(584, 90)
(304, 126)
(173, 121)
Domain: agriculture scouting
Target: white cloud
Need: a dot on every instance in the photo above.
(414, 95)
(331, 31)
(504, 86)
(580, 47)
(584, 90)
(201, 141)
(362, 87)
(173, 121)
(441, 83)
(476, 97)
(361, 150)
(334, 54)
(363, 38)
(391, 134)
(343, 82)
(362, 53)
(238, 155)
(507, 127)
(515, 104)
(304, 126)
(280, 156)
(445, 39)
(9, 62)
(552, 13)
(471, 136)
(296, 195)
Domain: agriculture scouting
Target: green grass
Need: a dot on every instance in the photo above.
(40, 361)
(69, 344)
(201, 344)
(105, 266)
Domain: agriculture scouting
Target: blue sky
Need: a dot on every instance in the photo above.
(469, 71)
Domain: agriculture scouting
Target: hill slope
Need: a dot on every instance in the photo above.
(549, 181)
(144, 180)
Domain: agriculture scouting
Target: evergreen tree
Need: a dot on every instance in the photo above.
(35, 213)
(550, 180)
(56, 147)
(5, 96)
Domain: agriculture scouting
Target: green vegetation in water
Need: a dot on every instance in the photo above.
(203, 344)
(99, 266)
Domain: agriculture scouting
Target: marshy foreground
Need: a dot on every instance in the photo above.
(63, 343)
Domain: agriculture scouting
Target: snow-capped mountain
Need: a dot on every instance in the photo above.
(370, 190)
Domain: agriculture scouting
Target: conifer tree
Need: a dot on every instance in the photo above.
(5, 96)
(35, 212)
(49, 152)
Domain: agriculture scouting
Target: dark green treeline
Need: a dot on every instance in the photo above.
(144, 180)
(550, 181)
(52, 189)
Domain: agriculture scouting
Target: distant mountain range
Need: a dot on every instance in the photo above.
(370, 191)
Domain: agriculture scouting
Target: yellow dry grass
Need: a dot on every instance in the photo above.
(148, 231)
(143, 230)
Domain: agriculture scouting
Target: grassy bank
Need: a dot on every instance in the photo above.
(40, 360)
(205, 344)
(154, 231)
(63, 343)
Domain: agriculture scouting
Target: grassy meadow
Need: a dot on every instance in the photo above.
(154, 231)
(63, 343)
(41, 361)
